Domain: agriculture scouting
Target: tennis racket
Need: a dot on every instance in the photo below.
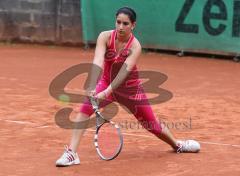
(108, 139)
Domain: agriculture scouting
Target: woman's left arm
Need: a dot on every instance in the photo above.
(126, 68)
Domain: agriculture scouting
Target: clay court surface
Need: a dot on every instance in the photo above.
(205, 98)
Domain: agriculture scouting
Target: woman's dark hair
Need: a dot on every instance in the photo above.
(128, 11)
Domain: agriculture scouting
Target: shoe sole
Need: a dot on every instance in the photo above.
(69, 164)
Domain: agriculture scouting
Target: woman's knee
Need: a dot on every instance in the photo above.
(81, 117)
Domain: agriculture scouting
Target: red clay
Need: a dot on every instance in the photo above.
(205, 90)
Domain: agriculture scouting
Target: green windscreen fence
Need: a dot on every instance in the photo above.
(209, 26)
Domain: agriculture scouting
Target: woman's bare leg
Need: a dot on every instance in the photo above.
(79, 131)
(168, 137)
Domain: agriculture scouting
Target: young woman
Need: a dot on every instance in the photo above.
(117, 52)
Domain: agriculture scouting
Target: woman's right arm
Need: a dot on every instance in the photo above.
(100, 49)
(98, 61)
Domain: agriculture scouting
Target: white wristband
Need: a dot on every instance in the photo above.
(105, 94)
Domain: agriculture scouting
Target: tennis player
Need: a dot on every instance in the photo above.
(117, 52)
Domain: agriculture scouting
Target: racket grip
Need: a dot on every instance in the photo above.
(94, 103)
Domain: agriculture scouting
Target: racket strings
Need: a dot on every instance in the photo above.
(109, 142)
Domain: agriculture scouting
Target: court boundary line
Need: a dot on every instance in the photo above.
(124, 133)
(155, 138)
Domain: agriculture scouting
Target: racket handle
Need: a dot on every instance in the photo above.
(94, 103)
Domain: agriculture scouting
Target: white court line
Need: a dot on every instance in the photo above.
(216, 143)
(128, 134)
(19, 122)
(25, 123)
(45, 126)
(204, 142)
(154, 138)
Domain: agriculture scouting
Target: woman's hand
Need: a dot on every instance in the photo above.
(91, 93)
(105, 93)
(101, 95)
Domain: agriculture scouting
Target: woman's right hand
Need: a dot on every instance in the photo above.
(91, 93)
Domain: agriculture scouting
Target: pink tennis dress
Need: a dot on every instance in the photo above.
(130, 92)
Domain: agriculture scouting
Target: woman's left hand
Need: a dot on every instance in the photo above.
(101, 95)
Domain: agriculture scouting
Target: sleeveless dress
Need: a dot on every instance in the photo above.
(129, 93)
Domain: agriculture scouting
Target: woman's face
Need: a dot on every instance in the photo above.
(124, 25)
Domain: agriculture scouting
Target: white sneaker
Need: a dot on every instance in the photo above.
(68, 158)
(188, 146)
